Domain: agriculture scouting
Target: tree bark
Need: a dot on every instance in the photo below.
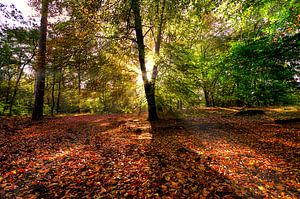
(15, 90)
(158, 41)
(207, 98)
(39, 89)
(59, 93)
(79, 88)
(148, 86)
(7, 93)
(53, 95)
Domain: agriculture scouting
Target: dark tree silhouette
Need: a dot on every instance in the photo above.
(39, 89)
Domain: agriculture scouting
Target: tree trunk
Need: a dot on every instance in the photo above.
(158, 41)
(179, 105)
(212, 99)
(207, 98)
(149, 86)
(18, 80)
(79, 88)
(58, 96)
(7, 93)
(39, 89)
(15, 90)
(52, 95)
(150, 96)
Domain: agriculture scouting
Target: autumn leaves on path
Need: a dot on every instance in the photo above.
(118, 156)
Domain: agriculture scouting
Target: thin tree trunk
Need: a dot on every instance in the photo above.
(39, 90)
(158, 41)
(52, 95)
(8, 89)
(105, 108)
(179, 105)
(15, 90)
(18, 81)
(207, 98)
(7, 94)
(157, 51)
(79, 88)
(58, 95)
(149, 87)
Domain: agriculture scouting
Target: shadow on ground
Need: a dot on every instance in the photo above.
(118, 156)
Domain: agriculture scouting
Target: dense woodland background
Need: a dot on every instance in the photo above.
(102, 55)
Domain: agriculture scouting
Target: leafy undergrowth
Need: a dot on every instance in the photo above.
(125, 156)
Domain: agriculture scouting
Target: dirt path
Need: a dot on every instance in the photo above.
(118, 156)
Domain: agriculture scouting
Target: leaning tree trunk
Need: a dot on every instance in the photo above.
(15, 90)
(148, 85)
(18, 80)
(39, 89)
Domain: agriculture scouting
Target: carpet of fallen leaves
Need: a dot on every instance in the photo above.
(125, 156)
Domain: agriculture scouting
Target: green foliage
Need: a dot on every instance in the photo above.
(213, 53)
(17, 52)
(263, 71)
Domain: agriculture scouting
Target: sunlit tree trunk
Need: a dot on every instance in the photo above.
(158, 41)
(39, 89)
(148, 85)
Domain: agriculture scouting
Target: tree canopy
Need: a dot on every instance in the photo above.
(169, 56)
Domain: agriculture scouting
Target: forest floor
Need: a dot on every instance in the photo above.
(212, 155)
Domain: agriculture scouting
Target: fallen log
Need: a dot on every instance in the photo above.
(250, 112)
